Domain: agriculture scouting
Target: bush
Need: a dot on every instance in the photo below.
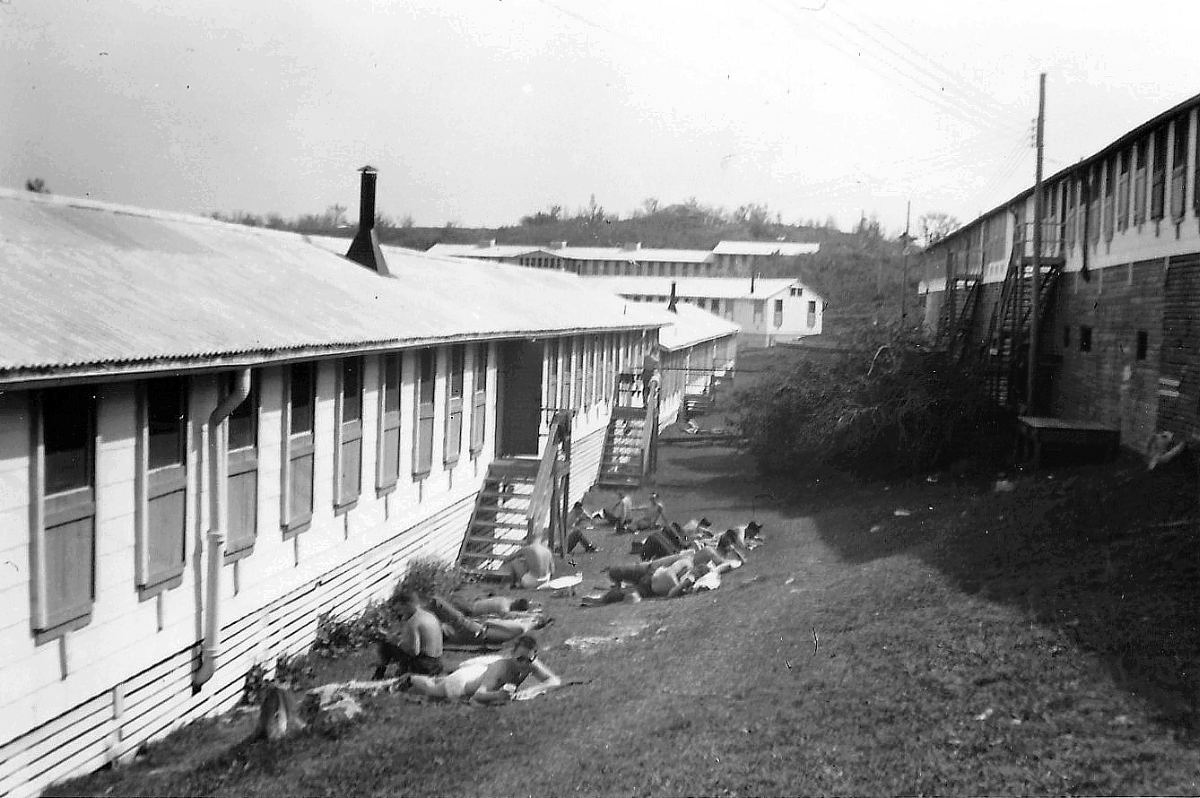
(335, 636)
(430, 576)
(888, 406)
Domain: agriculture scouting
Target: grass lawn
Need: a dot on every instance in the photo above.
(1042, 641)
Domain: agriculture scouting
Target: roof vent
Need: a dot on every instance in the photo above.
(673, 301)
(364, 249)
(486, 243)
(557, 245)
(631, 245)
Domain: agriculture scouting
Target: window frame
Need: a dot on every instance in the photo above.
(387, 474)
(53, 511)
(347, 436)
(295, 447)
(456, 388)
(241, 462)
(425, 411)
(480, 359)
(157, 484)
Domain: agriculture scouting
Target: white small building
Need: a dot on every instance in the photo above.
(768, 310)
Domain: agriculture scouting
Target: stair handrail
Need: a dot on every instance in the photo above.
(542, 495)
(650, 428)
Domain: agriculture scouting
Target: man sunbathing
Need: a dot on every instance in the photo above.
(487, 685)
(531, 565)
(492, 605)
(419, 648)
(459, 630)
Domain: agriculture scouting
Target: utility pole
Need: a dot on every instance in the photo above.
(904, 268)
(1035, 283)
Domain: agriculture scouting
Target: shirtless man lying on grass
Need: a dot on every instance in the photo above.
(488, 685)
(457, 629)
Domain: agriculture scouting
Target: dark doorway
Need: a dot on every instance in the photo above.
(519, 403)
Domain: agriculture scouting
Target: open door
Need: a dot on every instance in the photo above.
(519, 406)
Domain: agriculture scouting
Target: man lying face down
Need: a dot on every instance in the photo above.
(494, 684)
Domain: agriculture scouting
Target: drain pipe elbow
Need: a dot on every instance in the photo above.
(218, 487)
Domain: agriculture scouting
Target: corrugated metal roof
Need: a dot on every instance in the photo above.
(785, 249)
(700, 287)
(87, 285)
(622, 254)
(693, 326)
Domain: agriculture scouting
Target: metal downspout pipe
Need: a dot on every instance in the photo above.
(218, 489)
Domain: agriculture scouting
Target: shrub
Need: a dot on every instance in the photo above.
(888, 405)
(336, 636)
(430, 576)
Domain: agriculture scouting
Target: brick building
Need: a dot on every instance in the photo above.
(1120, 284)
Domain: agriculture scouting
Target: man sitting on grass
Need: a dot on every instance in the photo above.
(419, 649)
(496, 683)
(532, 564)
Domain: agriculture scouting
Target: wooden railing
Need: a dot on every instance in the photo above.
(542, 517)
(650, 429)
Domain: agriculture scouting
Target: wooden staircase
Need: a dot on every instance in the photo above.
(621, 460)
(520, 497)
(1005, 350)
(630, 450)
(500, 520)
(958, 315)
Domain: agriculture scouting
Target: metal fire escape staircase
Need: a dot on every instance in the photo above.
(1005, 350)
(957, 317)
(521, 497)
(631, 442)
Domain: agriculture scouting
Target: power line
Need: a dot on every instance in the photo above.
(936, 70)
(888, 71)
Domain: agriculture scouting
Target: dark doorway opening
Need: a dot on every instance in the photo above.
(519, 406)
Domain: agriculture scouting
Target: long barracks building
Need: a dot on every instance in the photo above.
(211, 434)
(1119, 285)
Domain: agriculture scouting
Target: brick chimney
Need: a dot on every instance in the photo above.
(364, 249)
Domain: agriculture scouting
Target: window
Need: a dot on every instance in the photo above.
(1143, 344)
(62, 479)
(161, 484)
(1179, 168)
(577, 372)
(1140, 151)
(1123, 192)
(589, 371)
(778, 313)
(479, 373)
(348, 434)
(1066, 338)
(1158, 174)
(1085, 338)
(812, 313)
(759, 306)
(242, 457)
(1109, 172)
(388, 457)
(553, 370)
(452, 441)
(1093, 210)
(423, 439)
(796, 290)
(299, 405)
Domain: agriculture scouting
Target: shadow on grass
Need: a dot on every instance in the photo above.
(1108, 555)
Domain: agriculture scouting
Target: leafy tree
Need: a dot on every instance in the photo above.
(37, 186)
(935, 226)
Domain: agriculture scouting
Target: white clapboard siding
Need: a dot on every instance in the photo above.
(159, 698)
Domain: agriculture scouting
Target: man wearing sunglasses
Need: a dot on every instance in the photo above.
(495, 683)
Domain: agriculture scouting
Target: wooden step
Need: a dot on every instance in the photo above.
(480, 522)
(516, 543)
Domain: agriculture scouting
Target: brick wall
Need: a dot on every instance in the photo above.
(1109, 383)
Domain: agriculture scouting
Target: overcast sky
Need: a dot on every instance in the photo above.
(480, 111)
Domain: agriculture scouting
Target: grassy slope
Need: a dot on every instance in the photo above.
(1038, 642)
